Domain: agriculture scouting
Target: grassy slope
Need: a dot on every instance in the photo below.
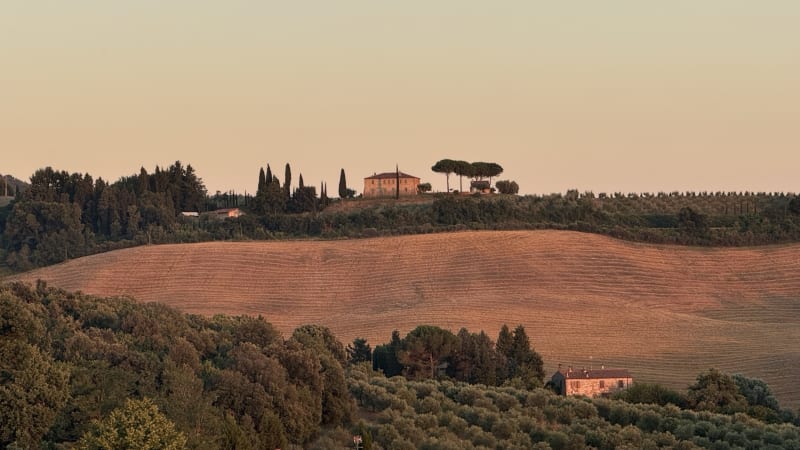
(666, 313)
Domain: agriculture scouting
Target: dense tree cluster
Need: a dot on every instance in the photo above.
(507, 187)
(11, 187)
(476, 170)
(63, 215)
(430, 352)
(76, 368)
(272, 199)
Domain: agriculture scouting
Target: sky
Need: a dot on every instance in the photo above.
(612, 96)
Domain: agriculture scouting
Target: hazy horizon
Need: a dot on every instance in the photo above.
(619, 96)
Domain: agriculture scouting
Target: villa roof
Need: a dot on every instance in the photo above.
(389, 175)
(597, 373)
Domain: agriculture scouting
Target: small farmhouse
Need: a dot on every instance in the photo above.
(591, 382)
(226, 213)
(480, 186)
(385, 185)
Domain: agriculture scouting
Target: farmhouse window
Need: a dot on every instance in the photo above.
(621, 384)
(602, 384)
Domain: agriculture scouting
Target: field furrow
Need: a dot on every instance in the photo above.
(664, 312)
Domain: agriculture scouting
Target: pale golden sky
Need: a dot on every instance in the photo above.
(618, 95)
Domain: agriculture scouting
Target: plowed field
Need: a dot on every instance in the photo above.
(666, 313)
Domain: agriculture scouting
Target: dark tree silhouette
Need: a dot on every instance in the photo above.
(262, 181)
(359, 351)
(463, 169)
(342, 185)
(445, 166)
(287, 181)
(507, 187)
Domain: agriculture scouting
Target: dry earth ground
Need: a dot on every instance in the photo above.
(666, 313)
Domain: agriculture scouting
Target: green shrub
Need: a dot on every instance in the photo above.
(558, 440)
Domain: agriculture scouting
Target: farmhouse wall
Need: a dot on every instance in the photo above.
(385, 185)
(592, 382)
(595, 387)
(225, 213)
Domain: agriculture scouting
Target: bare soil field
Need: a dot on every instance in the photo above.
(666, 313)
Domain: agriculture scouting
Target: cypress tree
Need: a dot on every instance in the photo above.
(524, 362)
(520, 345)
(144, 181)
(342, 185)
(269, 174)
(300, 181)
(505, 341)
(262, 181)
(287, 182)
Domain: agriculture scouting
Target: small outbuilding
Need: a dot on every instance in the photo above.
(226, 213)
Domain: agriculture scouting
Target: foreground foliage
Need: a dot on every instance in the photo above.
(82, 372)
(138, 425)
(407, 414)
(71, 362)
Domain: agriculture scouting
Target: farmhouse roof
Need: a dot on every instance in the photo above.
(389, 175)
(597, 373)
(224, 210)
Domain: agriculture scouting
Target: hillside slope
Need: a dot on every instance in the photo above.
(666, 313)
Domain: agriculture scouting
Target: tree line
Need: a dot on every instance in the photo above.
(10, 186)
(476, 170)
(430, 352)
(65, 215)
(62, 215)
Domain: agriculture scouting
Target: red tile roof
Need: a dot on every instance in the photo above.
(597, 373)
(389, 175)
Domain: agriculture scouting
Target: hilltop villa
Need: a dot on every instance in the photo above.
(385, 185)
(592, 382)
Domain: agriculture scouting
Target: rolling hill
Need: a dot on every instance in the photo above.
(666, 313)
